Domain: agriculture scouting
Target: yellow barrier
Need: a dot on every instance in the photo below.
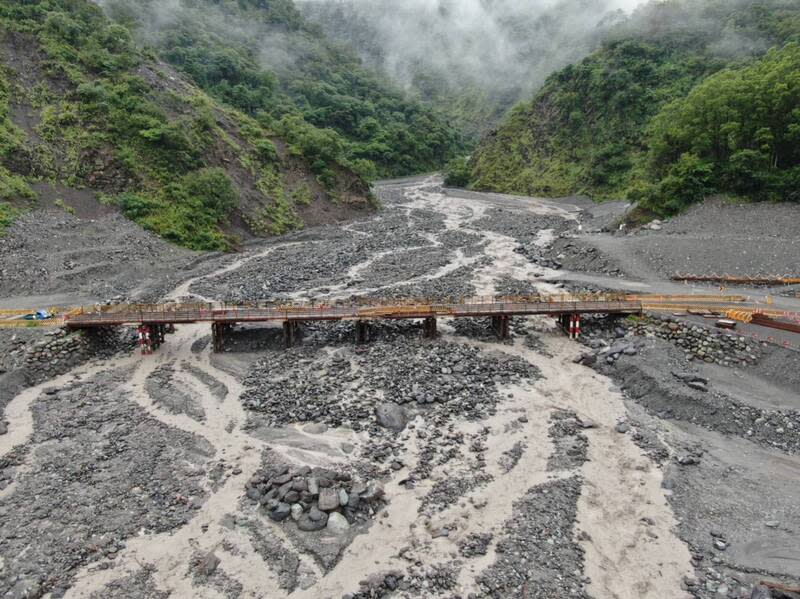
(740, 315)
(32, 324)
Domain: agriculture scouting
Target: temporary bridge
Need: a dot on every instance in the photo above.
(154, 321)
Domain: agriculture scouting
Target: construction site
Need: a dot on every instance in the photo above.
(464, 395)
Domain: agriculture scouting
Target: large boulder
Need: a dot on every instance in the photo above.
(207, 564)
(281, 512)
(392, 416)
(307, 524)
(328, 499)
(337, 524)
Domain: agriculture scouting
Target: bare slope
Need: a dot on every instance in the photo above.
(81, 107)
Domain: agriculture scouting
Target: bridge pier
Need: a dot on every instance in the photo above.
(500, 324)
(219, 330)
(570, 324)
(362, 332)
(429, 327)
(151, 337)
(290, 329)
(144, 339)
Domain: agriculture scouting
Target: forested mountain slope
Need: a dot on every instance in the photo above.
(264, 58)
(82, 108)
(471, 59)
(680, 102)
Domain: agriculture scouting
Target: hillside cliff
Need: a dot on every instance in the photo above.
(81, 107)
(623, 121)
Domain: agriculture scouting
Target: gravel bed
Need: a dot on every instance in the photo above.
(537, 556)
(52, 252)
(103, 470)
(655, 373)
(284, 562)
(206, 572)
(570, 445)
(726, 238)
(320, 259)
(453, 285)
(475, 544)
(139, 585)
(304, 385)
(510, 458)
(166, 393)
(217, 388)
(401, 265)
(522, 226)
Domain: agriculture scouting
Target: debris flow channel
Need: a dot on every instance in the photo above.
(457, 466)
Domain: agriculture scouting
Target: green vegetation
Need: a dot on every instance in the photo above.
(7, 215)
(12, 187)
(662, 114)
(264, 59)
(186, 211)
(583, 132)
(457, 172)
(738, 132)
(114, 120)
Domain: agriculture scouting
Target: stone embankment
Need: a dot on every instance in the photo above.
(697, 342)
(59, 351)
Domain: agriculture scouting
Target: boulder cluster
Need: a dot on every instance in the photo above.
(315, 498)
(697, 342)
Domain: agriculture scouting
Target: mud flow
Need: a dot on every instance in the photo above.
(459, 466)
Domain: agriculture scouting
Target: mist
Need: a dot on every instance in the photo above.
(275, 48)
(492, 44)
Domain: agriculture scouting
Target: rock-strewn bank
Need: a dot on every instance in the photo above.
(445, 467)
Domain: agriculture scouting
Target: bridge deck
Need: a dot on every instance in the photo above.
(187, 313)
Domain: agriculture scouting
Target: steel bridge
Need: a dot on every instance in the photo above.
(154, 321)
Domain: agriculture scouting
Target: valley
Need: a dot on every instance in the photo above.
(462, 466)
(359, 299)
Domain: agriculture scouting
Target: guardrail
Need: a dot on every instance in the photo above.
(252, 312)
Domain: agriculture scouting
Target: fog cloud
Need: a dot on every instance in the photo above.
(499, 43)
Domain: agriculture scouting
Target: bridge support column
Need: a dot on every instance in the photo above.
(429, 327)
(500, 324)
(220, 330)
(570, 324)
(575, 328)
(152, 336)
(362, 332)
(145, 339)
(290, 328)
(156, 336)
